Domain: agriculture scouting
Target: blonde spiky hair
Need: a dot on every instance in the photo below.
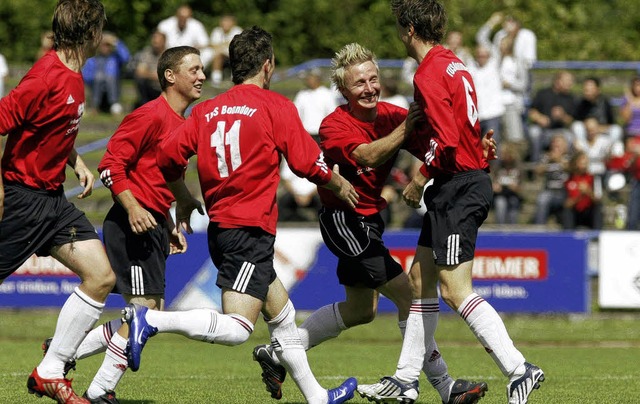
(351, 54)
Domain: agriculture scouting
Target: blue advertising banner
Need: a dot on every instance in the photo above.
(515, 272)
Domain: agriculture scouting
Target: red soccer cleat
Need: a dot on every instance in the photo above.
(57, 389)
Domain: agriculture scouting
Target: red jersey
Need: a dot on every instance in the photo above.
(239, 137)
(340, 134)
(40, 118)
(450, 141)
(572, 186)
(130, 159)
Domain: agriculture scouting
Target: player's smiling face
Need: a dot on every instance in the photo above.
(362, 87)
(190, 77)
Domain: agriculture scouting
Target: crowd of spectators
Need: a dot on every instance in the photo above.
(567, 138)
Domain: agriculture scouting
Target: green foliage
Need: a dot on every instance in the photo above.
(566, 29)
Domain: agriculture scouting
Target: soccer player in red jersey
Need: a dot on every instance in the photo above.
(457, 204)
(363, 137)
(240, 137)
(40, 118)
(138, 231)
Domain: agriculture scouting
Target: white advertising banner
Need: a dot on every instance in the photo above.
(619, 279)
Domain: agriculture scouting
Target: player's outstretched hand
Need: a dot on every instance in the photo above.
(141, 220)
(177, 242)
(184, 207)
(343, 188)
(489, 146)
(86, 177)
(412, 193)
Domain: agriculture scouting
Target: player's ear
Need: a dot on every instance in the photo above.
(169, 76)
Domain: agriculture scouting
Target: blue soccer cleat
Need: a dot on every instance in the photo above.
(344, 392)
(139, 332)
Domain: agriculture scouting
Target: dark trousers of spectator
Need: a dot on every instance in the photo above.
(590, 218)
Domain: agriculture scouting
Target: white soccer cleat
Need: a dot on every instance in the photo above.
(390, 390)
(518, 390)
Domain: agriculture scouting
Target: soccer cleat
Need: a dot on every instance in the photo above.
(390, 390)
(273, 375)
(344, 392)
(68, 366)
(466, 392)
(57, 389)
(518, 390)
(107, 398)
(139, 332)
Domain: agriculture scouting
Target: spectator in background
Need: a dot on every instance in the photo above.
(485, 70)
(514, 79)
(593, 104)
(102, 74)
(506, 185)
(455, 43)
(554, 166)
(389, 93)
(184, 30)
(46, 44)
(552, 113)
(314, 102)
(629, 164)
(598, 147)
(525, 41)
(146, 69)
(630, 111)
(4, 72)
(221, 37)
(299, 195)
(582, 203)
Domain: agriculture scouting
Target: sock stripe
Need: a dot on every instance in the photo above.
(424, 308)
(117, 351)
(245, 324)
(470, 306)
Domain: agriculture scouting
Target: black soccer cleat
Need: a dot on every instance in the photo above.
(273, 375)
(466, 392)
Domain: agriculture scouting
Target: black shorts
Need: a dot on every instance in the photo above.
(35, 221)
(138, 260)
(456, 208)
(363, 259)
(244, 259)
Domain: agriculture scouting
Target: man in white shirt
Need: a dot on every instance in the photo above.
(184, 30)
(221, 37)
(314, 102)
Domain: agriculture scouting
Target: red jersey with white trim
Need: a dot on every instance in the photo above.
(240, 137)
(40, 118)
(450, 141)
(340, 134)
(130, 159)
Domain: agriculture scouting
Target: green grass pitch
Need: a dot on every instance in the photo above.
(586, 359)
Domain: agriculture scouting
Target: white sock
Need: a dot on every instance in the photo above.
(489, 329)
(77, 317)
(203, 325)
(323, 324)
(285, 341)
(421, 327)
(98, 339)
(112, 369)
(435, 368)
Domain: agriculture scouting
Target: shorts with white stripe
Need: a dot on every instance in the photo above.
(244, 259)
(456, 208)
(363, 259)
(139, 261)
